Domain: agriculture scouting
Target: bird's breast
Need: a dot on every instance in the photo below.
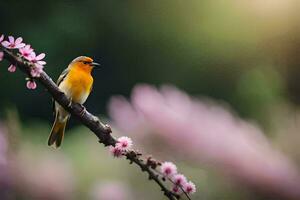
(77, 86)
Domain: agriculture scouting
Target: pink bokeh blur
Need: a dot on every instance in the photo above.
(207, 133)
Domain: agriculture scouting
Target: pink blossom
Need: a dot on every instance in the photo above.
(116, 151)
(176, 189)
(37, 59)
(40, 180)
(1, 52)
(124, 143)
(179, 179)
(168, 169)
(211, 133)
(3, 147)
(36, 70)
(12, 43)
(12, 68)
(26, 51)
(189, 187)
(125, 115)
(1, 55)
(110, 191)
(31, 84)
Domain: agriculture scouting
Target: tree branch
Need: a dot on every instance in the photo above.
(101, 130)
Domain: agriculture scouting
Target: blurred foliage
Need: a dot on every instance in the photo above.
(204, 47)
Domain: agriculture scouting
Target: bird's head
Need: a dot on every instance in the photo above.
(83, 62)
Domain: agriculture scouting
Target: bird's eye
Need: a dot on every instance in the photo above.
(84, 62)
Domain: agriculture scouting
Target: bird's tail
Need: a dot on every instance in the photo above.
(57, 132)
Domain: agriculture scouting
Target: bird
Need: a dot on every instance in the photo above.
(76, 81)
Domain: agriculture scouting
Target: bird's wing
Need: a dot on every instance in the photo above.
(58, 82)
(62, 76)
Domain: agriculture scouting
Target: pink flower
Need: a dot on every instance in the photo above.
(12, 43)
(12, 68)
(176, 189)
(179, 179)
(168, 169)
(116, 151)
(36, 70)
(1, 55)
(124, 143)
(110, 191)
(212, 134)
(31, 84)
(126, 117)
(37, 59)
(26, 51)
(189, 187)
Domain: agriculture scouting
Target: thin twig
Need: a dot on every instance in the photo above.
(101, 130)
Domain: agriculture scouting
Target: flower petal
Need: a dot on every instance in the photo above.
(179, 179)
(124, 143)
(41, 62)
(31, 85)
(11, 39)
(38, 66)
(1, 38)
(12, 68)
(1, 55)
(168, 169)
(40, 57)
(32, 56)
(5, 44)
(19, 40)
(189, 187)
(18, 46)
(116, 151)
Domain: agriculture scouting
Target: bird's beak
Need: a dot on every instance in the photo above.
(95, 64)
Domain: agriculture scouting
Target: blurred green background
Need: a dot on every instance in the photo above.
(244, 53)
(241, 52)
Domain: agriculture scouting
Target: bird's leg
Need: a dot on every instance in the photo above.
(83, 109)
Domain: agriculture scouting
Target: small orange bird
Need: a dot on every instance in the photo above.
(76, 82)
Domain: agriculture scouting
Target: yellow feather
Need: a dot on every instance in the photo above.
(77, 84)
